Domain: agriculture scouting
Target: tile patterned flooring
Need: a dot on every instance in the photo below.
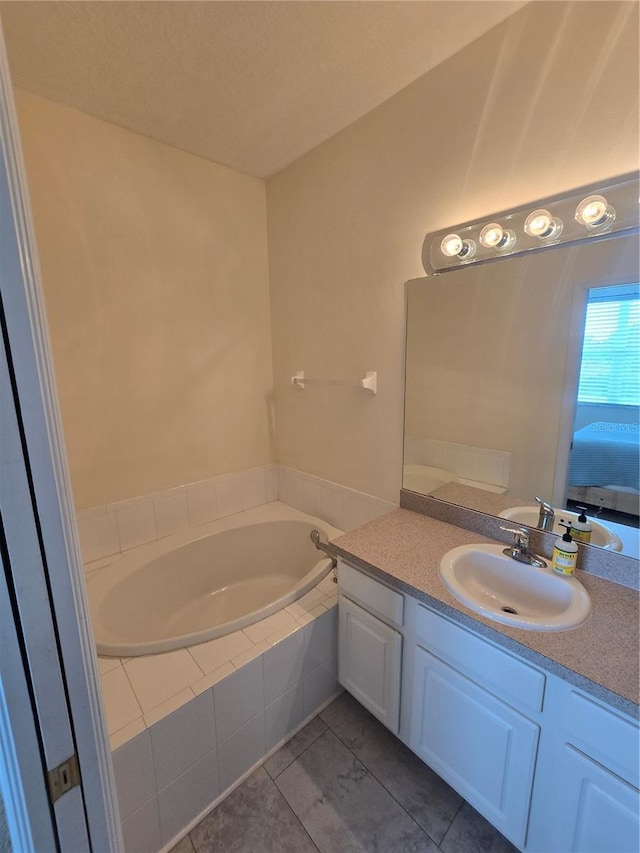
(344, 784)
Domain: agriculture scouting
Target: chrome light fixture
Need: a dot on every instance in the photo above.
(595, 212)
(494, 236)
(543, 225)
(453, 246)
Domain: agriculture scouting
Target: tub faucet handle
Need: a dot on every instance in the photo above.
(322, 546)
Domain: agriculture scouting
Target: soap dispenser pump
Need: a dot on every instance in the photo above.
(565, 553)
(581, 528)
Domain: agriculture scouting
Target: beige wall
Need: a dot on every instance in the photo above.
(155, 261)
(155, 274)
(545, 102)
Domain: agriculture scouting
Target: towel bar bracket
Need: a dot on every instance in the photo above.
(368, 383)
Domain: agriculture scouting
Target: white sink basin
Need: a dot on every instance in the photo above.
(502, 589)
(601, 535)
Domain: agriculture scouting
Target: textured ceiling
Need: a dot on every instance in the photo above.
(252, 85)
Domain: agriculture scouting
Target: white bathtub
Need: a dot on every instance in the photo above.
(206, 582)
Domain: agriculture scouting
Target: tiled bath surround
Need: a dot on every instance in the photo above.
(106, 531)
(176, 769)
(140, 691)
(342, 507)
(116, 527)
(187, 725)
(478, 464)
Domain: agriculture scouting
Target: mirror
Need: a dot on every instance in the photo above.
(492, 374)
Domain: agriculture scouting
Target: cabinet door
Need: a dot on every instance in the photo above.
(481, 746)
(369, 662)
(594, 811)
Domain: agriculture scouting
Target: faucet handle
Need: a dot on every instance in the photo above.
(547, 507)
(520, 534)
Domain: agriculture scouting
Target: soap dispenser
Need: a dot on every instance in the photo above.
(581, 528)
(565, 553)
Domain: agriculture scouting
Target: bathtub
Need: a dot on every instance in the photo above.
(206, 581)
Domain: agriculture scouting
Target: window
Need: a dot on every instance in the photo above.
(610, 369)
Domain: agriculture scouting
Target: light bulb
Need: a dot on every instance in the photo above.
(451, 245)
(543, 225)
(494, 236)
(595, 213)
(454, 246)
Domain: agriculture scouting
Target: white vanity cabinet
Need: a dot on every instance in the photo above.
(586, 796)
(370, 644)
(475, 719)
(551, 767)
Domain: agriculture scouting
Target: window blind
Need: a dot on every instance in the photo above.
(610, 369)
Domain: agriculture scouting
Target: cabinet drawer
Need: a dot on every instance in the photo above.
(497, 671)
(603, 734)
(375, 596)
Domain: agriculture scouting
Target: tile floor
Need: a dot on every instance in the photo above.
(344, 784)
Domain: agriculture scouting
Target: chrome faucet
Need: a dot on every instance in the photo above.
(323, 546)
(547, 515)
(520, 549)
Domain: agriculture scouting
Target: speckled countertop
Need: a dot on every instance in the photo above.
(601, 656)
(479, 499)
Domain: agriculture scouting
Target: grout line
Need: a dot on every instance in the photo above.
(381, 783)
(289, 806)
(373, 776)
(318, 736)
(453, 819)
(242, 631)
(187, 650)
(135, 695)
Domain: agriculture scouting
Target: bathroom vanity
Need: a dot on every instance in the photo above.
(538, 731)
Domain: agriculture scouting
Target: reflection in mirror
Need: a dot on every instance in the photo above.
(503, 403)
(604, 470)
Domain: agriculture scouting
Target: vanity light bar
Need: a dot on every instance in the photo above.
(587, 213)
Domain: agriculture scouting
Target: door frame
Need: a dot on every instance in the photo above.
(58, 582)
